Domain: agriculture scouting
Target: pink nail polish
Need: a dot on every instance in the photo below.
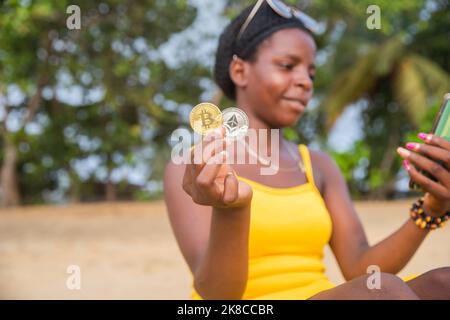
(403, 152)
(423, 136)
(406, 165)
(412, 146)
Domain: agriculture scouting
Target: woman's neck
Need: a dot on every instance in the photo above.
(257, 124)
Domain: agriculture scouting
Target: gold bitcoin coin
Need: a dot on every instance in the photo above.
(205, 117)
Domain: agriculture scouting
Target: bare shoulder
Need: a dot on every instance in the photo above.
(173, 180)
(323, 166)
(321, 158)
(173, 170)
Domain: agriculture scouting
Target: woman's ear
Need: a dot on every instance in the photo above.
(238, 71)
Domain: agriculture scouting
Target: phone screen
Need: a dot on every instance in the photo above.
(441, 127)
(443, 124)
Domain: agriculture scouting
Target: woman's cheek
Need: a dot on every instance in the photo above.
(278, 82)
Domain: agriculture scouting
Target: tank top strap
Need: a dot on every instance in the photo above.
(304, 151)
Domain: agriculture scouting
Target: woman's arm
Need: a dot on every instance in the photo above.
(394, 252)
(349, 242)
(209, 211)
(214, 242)
(223, 271)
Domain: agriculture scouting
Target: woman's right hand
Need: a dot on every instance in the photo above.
(210, 181)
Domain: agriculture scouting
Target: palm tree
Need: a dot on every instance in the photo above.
(413, 79)
(400, 76)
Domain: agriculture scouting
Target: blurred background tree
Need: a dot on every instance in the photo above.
(87, 114)
(78, 106)
(396, 81)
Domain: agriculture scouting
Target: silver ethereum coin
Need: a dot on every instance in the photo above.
(235, 122)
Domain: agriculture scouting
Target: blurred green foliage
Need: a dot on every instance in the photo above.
(123, 100)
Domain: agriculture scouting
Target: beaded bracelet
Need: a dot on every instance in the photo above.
(424, 221)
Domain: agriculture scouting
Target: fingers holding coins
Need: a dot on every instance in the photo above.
(209, 179)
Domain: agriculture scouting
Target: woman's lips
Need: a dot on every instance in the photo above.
(296, 104)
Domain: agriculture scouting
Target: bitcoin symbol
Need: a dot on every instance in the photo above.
(205, 117)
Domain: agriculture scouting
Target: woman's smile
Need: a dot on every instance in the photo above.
(296, 104)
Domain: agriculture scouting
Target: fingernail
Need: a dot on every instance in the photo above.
(412, 146)
(424, 136)
(406, 165)
(403, 152)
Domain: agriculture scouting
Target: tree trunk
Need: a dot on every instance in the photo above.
(110, 187)
(8, 180)
(111, 191)
(386, 164)
(9, 187)
(75, 187)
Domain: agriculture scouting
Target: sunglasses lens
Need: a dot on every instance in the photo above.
(281, 8)
(309, 22)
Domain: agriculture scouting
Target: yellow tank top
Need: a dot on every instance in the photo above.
(289, 228)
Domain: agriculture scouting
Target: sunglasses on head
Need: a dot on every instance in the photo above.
(283, 10)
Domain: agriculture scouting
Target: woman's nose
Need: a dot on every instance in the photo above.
(303, 79)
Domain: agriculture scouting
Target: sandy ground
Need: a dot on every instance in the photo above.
(127, 250)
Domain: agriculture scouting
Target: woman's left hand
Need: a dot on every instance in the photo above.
(437, 197)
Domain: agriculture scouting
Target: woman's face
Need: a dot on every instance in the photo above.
(280, 81)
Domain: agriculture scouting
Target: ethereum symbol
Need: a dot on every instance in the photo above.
(232, 122)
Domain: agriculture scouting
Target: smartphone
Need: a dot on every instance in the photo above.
(441, 127)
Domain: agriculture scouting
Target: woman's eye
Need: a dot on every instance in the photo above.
(287, 66)
(312, 76)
